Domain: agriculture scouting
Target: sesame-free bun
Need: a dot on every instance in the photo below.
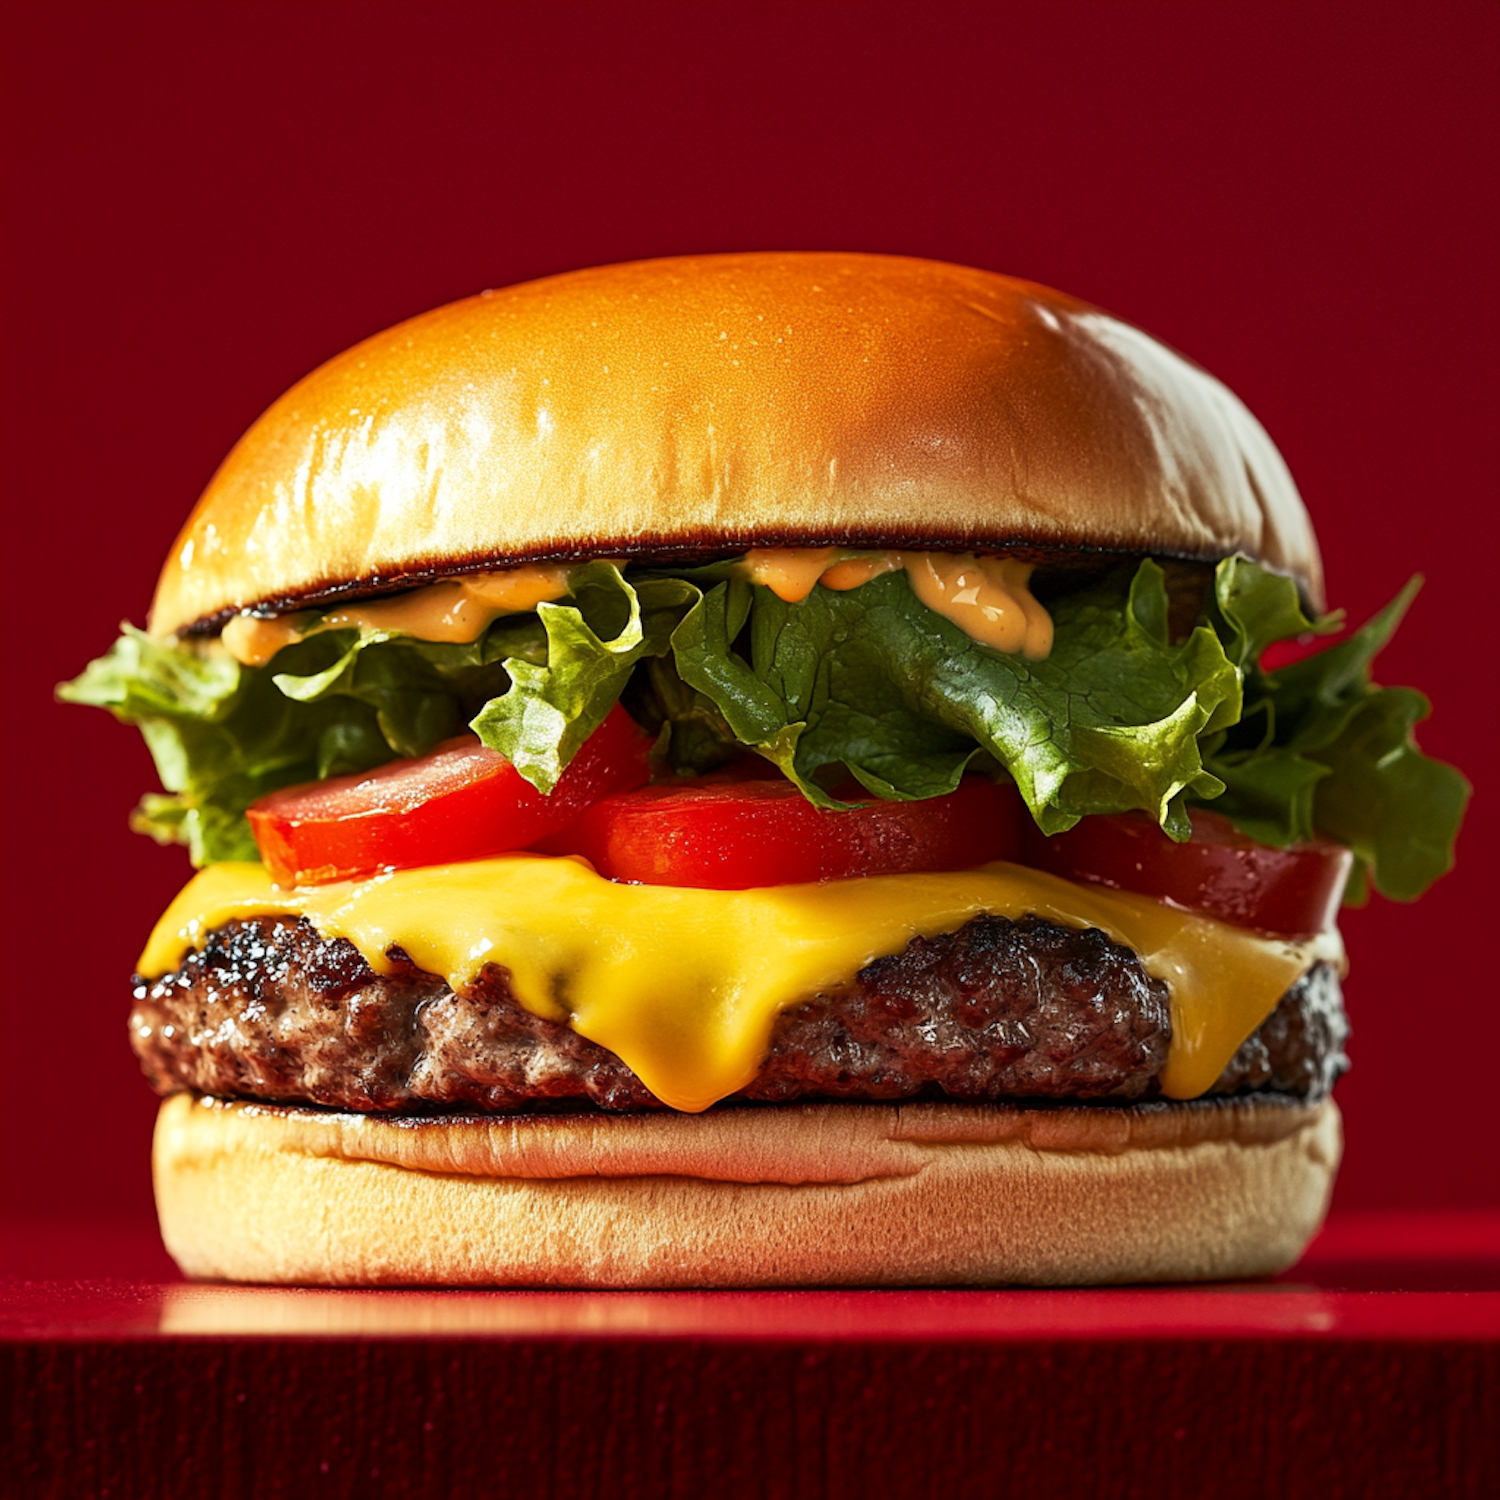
(816, 1194)
(711, 403)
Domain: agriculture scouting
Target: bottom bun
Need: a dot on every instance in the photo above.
(796, 1195)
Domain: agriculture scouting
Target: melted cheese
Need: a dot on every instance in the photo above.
(685, 985)
(988, 598)
(457, 610)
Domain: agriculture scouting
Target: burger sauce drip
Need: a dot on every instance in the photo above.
(988, 598)
(457, 610)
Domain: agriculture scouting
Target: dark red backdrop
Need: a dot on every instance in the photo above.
(205, 200)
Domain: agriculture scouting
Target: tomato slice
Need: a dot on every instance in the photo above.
(731, 833)
(462, 801)
(1285, 892)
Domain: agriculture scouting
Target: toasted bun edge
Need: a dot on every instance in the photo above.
(814, 1195)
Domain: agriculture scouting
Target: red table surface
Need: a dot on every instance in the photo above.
(1372, 1368)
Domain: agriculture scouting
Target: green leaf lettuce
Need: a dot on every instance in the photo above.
(1321, 749)
(862, 688)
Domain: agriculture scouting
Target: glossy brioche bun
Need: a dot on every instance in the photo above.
(707, 404)
(824, 1194)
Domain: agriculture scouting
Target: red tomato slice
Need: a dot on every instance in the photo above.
(462, 801)
(729, 834)
(1286, 892)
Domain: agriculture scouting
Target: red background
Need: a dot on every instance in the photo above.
(203, 201)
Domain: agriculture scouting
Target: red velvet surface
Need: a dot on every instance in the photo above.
(203, 201)
(374, 1419)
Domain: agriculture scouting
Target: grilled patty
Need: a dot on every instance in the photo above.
(270, 1010)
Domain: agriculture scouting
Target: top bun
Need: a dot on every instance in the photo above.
(711, 403)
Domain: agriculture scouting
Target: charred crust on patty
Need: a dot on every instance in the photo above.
(997, 1010)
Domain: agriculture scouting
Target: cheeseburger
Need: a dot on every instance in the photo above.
(757, 770)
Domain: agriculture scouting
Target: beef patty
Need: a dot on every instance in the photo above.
(270, 1010)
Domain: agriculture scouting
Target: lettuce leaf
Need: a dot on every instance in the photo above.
(221, 736)
(593, 644)
(224, 735)
(1321, 748)
(872, 681)
(866, 684)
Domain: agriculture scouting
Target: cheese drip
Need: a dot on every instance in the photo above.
(684, 986)
(988, 598)
(458, 610)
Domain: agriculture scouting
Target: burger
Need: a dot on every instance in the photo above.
(753, 770)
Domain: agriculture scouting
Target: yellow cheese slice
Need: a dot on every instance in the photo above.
(684, 986)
